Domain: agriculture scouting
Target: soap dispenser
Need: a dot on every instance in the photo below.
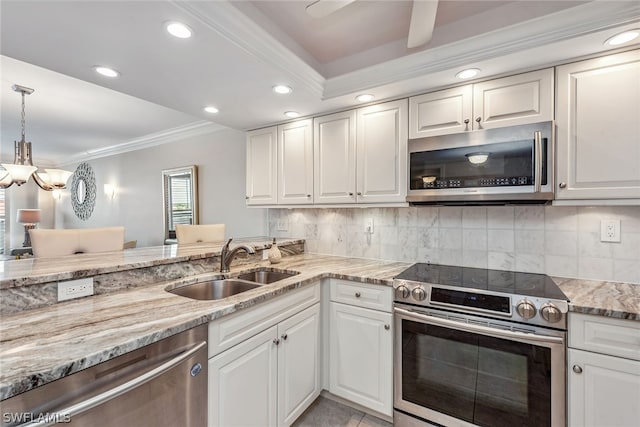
(274, 253)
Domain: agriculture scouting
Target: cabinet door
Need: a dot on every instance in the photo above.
(598, 128)
(361, 356)
(295, 163)
(334, 140)
(243, 383)
(605, 393)
(515, 100)
(381, 153)
(441, 113)
(262, 166)
(298, 364)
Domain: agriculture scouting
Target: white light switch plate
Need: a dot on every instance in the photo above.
(610, 230)
(71, 289)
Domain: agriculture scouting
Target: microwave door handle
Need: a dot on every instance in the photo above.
(112, 393)
(537, 153)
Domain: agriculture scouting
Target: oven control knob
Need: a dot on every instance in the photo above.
(550, 313)
(418, 294)
(526, 309)
(402, 292)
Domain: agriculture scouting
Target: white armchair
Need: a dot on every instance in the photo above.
(60, 242)
(199, 233)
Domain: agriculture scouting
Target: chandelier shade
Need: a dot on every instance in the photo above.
(22, 167)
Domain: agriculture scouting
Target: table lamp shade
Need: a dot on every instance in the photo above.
(28, 216)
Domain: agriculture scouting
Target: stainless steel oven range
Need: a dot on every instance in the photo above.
(478, 347)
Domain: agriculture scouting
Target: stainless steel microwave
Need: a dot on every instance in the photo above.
(494, 166)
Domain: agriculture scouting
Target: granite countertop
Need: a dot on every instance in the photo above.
(611, 299)
(41, 345)
(31, 271)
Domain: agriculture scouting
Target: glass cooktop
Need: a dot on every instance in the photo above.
(507, 282)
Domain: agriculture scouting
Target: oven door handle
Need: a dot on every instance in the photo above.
(500, 333)
(537, 152)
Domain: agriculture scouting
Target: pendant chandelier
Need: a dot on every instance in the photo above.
(22, 167)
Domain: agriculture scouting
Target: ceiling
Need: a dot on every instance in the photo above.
(241, 49)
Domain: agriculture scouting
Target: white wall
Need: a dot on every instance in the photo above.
(137, 176)
(559, 241)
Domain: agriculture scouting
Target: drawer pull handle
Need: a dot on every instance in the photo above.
(284, 337)
(276, 341)
(387, 327)
(577, 369)
(357, 294)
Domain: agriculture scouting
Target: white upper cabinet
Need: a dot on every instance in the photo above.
(262, 164)
(598, 128)
(520, 99)
(295, 162)
(361, 155)
(334, 140)
(381, 153)
(440, 113)
(516, 100)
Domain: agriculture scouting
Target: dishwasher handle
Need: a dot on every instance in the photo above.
(111, 394)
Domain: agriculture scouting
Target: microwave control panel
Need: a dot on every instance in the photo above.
(473, 182)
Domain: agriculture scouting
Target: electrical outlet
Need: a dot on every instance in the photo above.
(368, 226)
(282, 225)
(71, 289)
(610, 230)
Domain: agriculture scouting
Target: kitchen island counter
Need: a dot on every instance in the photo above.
(41, 345)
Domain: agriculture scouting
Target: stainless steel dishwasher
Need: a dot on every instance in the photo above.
(161, 384)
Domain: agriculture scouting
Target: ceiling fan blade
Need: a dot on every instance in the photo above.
(423, 19)
(322, 8)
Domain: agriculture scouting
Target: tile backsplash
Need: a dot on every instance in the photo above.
(559, 241)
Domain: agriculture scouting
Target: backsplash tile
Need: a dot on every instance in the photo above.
(556, 240)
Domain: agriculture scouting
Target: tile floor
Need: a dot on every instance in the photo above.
(328, 413)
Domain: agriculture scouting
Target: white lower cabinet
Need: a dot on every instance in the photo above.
(603, 390)
(361, 352)
(270, 378)
(603, 371)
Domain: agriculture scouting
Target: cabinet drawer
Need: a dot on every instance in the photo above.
(606, 335)
(377, 297)
(230, 330)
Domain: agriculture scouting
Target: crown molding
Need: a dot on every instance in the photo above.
(151, 140)
(563, 25)
(233, 25)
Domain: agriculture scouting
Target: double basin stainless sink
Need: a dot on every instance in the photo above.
(220, 288)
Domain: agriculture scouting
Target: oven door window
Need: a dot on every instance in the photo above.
(482, 380)
(490, 165)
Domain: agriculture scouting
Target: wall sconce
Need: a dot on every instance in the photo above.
(56, 194)
(28, 217)
(109, 191)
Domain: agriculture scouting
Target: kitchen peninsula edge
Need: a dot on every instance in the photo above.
(32, 283)
(41, 345)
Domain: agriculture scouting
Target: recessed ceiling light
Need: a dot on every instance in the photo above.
(468, 73)
(211, 110)
(282, 89)
(292, 114)
(106, 71)
(365, 97)
(178, 29)
(622, 38)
